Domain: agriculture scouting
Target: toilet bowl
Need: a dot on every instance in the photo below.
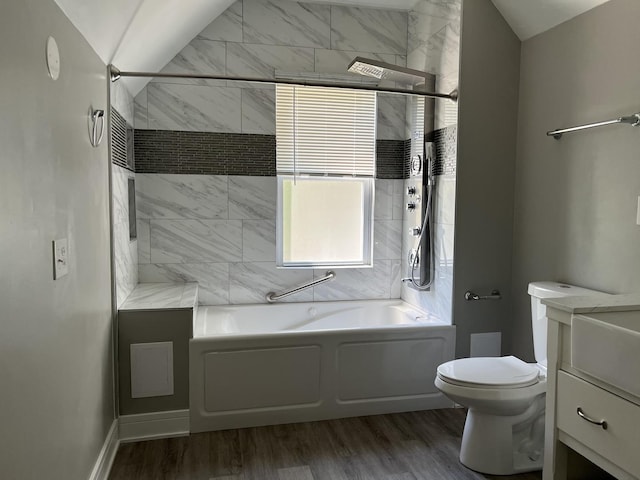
(505, 397)
(504, 430)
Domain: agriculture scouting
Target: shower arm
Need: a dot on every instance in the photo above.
(117, 75)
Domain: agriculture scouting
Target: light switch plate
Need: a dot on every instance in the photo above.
(60, 258)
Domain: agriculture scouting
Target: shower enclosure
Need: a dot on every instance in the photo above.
(203, 163)
(204, 144)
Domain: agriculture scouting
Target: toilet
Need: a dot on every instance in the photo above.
(504, 430)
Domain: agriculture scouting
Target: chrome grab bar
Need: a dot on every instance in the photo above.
(495, 295)
(273, 297)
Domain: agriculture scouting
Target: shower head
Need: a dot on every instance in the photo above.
(387, 71)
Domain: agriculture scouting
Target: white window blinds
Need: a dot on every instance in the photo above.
(325, 131)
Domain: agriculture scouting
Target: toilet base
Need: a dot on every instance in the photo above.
(504, 445)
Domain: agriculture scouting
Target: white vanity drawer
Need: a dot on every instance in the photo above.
(620, 441)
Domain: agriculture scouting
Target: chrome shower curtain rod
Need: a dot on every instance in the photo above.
(117, 74)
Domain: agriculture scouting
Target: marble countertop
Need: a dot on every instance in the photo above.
(156, 296)
(595, 303)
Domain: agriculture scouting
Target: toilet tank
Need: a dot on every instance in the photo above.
(538, 291)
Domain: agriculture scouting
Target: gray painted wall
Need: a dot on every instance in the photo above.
(576, 198)
(488, 113)
(55, 340)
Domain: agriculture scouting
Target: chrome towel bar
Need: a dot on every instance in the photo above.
(495, 295)
(633, 120)
(273, 297)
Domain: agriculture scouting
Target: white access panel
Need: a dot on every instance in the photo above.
(263, 378)
(486, 344)
(388, 368)
(151, 369)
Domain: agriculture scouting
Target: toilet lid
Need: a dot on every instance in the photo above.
(495, 372)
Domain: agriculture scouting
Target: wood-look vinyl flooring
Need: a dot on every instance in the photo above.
(403, 446)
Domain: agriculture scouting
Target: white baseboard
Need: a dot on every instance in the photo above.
(107, 454)
(149, 426)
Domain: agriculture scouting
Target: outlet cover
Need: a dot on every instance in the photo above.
(60, 258)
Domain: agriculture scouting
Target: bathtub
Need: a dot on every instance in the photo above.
(252, 365)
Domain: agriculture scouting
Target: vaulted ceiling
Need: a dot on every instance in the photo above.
(144, 35)
(528, 18)
(141, 35)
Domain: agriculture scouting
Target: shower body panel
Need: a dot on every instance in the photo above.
(423, 155)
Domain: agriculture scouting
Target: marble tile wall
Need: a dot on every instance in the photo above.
(125, 249)
(220, 231)
(123, 102)
(433, 46)
(256, 38)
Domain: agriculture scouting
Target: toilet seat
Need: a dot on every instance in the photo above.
(490, 372)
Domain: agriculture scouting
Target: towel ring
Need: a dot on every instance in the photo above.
(96, 117)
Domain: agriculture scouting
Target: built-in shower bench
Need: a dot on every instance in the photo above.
(155, 324)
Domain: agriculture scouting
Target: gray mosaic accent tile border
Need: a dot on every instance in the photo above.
(121, 141)
(206, 153)
(406, 159)
(390, 158)
(446, 140)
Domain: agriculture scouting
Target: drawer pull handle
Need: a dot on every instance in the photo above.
(601, 423)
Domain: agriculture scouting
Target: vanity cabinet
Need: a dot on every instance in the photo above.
(583, 413)
(616, 438)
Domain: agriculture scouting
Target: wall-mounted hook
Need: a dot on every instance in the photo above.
(96, 117)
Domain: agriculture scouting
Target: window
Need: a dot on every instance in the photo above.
(326, 145)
